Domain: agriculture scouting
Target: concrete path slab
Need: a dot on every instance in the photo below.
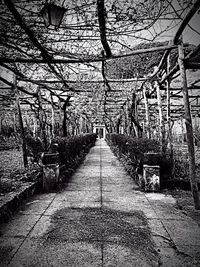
(100, 218)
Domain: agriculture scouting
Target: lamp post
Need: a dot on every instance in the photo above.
(52, 15)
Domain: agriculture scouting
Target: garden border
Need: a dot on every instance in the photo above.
(13, 200)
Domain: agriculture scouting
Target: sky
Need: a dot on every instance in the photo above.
(190, 35)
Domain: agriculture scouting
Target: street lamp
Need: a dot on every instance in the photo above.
(52, 15)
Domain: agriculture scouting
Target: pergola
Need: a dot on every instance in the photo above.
(66, 68)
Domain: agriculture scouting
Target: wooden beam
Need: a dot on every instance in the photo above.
(18, 87)
(180, 96)
(172, 105)
(85, 60)
(22, 76)
(189, 129)
(83, 81)
(179, 89)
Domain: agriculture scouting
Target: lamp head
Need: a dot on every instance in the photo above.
(52, 15)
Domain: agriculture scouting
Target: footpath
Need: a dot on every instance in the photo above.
(100, 218)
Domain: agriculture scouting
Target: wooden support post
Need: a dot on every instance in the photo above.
(146, 113)
(24, 148)
(161, 120)
(126, 121)
(0, 124)
(189, 130)
(64, 108)
(14, 123)
(41, 117)
(60, 117)
(34, 126)
(169, 122)
(131, 114)
(52, 118)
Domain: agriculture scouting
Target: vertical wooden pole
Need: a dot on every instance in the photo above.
(42, 120)
(189, 130)
(146, 113)
(126, 122)
(64, 108)
(161, 120)
(1, 124)
(52, 117)
(24, 149)
(15, 127)
(131, 114)
(60, 117)
(34, 126)
(136, 108)
(169, 122)
(182, 132)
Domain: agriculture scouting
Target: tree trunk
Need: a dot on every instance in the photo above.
(24, 148)
(64, 123)
(64, 108)
(189, 130)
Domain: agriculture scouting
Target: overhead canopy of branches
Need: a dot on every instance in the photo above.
(74, 50)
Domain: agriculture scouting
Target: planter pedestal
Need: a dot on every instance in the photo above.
(51, 171)
(151, 176)
(50, 177)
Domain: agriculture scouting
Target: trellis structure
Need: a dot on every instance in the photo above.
(66, 69)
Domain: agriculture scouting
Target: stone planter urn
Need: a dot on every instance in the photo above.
(51, 171)
(151, 176)
(151, 172)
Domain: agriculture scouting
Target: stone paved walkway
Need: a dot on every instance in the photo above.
(100, 218)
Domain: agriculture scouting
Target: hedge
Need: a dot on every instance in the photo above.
(70, 148)
(130, 151)
(72, 151)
